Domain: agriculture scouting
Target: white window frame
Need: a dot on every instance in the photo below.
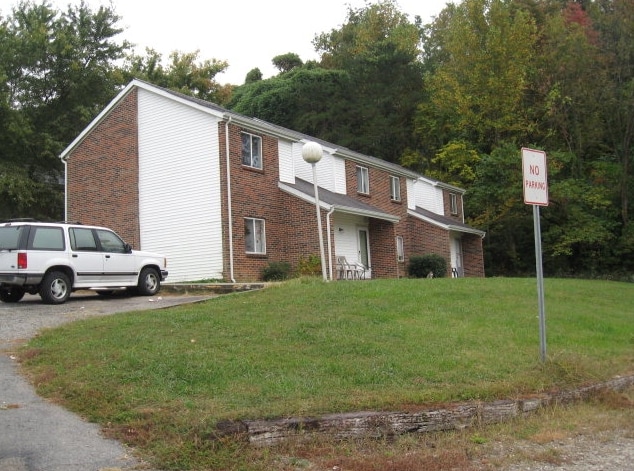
(252, 243)
(248, 157)
(363, 180)
(395, 188)
(400, 249)
(453, 203)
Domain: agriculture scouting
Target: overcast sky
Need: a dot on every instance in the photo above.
(245, 33)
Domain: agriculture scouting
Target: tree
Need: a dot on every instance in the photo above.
(615, 21)
(57, 73)
(183, 74)
(308, 99)
(379, 48)
(287, 62)
(484, 51)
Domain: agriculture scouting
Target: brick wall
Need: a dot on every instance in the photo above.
(291, 231)
(472, 255)
(103, 175)
(425, 238)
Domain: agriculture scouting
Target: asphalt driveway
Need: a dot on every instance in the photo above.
(36, 435)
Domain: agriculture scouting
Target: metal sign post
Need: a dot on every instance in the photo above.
(536, 193)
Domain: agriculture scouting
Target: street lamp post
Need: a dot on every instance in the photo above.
(311, 153)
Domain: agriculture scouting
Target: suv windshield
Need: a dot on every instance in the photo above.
(10, 237)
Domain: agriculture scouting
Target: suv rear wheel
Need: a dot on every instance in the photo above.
(12, 294)
(55, 287)
(149, 282)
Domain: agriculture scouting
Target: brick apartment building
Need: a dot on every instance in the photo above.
(223, 195)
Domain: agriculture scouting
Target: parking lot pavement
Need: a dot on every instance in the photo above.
(38, 435)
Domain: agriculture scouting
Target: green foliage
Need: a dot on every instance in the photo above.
(287, 62)
(57, 71)
(310, 266)
(455, 164)
(253, 75)
(183, 74)
(276, 271)
(420, 266)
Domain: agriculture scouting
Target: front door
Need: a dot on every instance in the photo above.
(363, 246)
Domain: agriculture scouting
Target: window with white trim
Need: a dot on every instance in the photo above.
(363, 180)
(395, 188)
(400, 250)
(453, 203)
(254, 235)
(251, 150)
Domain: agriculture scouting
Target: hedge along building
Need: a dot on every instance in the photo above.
(224, 195)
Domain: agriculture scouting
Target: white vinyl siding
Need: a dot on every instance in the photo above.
(179, 187)
(346, 239)
(429, 197)
(330, 170)
(286, 167)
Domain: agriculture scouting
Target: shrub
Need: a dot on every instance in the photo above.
(310, 266)
(276, 271)
(421, 265)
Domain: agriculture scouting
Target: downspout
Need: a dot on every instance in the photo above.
(65, 189)
(332, 210)
(229, 208)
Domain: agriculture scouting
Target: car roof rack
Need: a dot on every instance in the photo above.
(21, 220)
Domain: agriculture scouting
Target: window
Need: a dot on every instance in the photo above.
(363, 180)
(254, 235)
(82, 240)
(453, 203)
(395, 188)
(110, 242)
(400, 251)
(251, 150)
(47, 238)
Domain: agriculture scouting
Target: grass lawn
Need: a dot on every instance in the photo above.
(162, 379)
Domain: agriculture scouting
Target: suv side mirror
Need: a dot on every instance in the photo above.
(127, 248)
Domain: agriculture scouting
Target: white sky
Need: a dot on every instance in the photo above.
(245, 33)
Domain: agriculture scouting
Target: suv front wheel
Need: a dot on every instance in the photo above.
(149, 282)
(55, 287)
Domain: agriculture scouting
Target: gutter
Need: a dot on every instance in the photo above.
(332, 210)
(229, 207)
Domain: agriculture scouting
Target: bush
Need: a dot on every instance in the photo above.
(421, 265)
(276, 271)
(310, 266)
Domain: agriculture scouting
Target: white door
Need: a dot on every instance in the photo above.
(86, 258)
(363, 247)
(119, 267)
(457, 269)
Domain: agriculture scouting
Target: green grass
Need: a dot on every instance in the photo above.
(161, 379)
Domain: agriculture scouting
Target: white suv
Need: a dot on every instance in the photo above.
(54, 259)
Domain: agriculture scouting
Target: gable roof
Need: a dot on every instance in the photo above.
(444, 221)
(329, 200)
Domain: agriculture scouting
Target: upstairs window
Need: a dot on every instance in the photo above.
(395, 188)
(363, 180)
(251, 150)
(453, 203)
(254, 236)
